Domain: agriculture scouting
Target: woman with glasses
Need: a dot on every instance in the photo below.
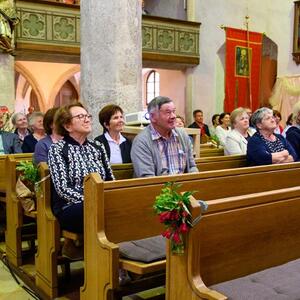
(70, 160)
(266, 147)
(116, 145)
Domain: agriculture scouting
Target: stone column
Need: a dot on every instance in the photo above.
(7, 81)
(190, 72)
(111, 55)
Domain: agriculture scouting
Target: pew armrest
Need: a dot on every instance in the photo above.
(140, 267)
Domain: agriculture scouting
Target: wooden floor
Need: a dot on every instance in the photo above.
(10, 290)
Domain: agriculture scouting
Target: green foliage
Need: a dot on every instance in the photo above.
(215, 140)
(28, 171)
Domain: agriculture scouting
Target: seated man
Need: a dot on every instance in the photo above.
(9, 142)
(198, 122)
(162, 149)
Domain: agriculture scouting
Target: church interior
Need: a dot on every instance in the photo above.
(127, 53)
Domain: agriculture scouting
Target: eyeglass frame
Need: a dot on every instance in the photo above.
(83, 117)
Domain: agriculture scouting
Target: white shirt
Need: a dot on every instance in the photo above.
(222, 133)
(115, 150)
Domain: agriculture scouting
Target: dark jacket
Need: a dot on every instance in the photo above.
(259, 154)
(29, 143)
(195, 125)
(293, 136)
(125, 148)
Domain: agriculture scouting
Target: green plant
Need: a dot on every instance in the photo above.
(29, 172)
(172, 208)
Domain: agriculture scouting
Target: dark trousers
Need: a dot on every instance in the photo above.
(71, 218)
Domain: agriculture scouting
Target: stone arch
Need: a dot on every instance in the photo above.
(60, 82)
(33, 82)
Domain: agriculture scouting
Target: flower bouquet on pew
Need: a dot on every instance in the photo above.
(172, 208)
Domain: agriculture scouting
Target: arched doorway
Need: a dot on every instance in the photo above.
(67, 94)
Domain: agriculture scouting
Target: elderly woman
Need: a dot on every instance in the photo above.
(116, 145)
(38, 132)
(223, 129)
(237, 138)
(293, 133)
(70, 160)
(43, 145)
(20, 123)
(266, 147)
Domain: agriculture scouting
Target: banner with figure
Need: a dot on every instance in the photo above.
(242, 69)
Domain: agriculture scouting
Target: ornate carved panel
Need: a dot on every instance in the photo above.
(33, 25)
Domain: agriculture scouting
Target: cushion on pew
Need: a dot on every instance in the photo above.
(276, 283)
(145, 250)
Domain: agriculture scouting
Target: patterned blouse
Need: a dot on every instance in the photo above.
(69, 162)
(275, 146)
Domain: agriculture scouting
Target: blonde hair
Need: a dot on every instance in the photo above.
(236, 113)
(296, 111)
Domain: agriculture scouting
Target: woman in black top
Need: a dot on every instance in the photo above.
(116, 145)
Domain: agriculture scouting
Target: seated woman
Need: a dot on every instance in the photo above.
(223, 129)
(293, 133)
(266, 147)
(38, 132)
(116, 145)
(70, 160)
(215, 123)
(237, 139)
(43, 145)
(20, 123)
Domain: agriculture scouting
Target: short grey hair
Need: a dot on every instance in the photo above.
(157, 102)
(259, 114)
(15, 117)
(33, 116)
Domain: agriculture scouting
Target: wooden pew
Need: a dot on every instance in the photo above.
(237, 236)
(128, 205)
(207, 152)
(14, 210)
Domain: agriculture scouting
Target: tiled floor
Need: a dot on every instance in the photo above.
(10, 290)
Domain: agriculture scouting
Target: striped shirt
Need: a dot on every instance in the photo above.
(172, 155)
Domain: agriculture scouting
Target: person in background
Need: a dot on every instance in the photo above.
(20, 123)
(70, 160)
(38, 132)
(223, 129)
(9, 142)
(278, 118)
(161, 148)
(42, 147)
(198, 123)
(266, 147)
(116, 145)
(237, 139)
(289, 124)
(215, 123)
(180, 121)
(30, 111)
(293, 133)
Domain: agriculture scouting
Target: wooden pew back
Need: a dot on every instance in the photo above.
(127, 204)
(236, 237)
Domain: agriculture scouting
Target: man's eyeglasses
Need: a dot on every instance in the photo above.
(83, 117)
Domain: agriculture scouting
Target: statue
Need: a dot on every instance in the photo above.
(8, 21)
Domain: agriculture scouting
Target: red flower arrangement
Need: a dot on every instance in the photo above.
(173, 210)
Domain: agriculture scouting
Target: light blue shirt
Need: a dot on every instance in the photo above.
(1, 145)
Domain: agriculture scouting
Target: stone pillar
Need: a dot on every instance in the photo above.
(190, 72)
(7, 81)
(111, 55)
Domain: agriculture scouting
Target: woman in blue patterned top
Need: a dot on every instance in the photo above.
(70, 160)
(266, 147)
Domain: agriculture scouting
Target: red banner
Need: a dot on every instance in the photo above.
(242, 69)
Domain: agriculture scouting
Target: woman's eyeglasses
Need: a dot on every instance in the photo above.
(83, 117)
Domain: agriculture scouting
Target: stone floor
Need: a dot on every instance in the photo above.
(10, 290)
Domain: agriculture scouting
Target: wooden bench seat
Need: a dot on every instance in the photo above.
(112, 206)
(236, 237)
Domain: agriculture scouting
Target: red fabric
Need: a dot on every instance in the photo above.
(237, 73)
